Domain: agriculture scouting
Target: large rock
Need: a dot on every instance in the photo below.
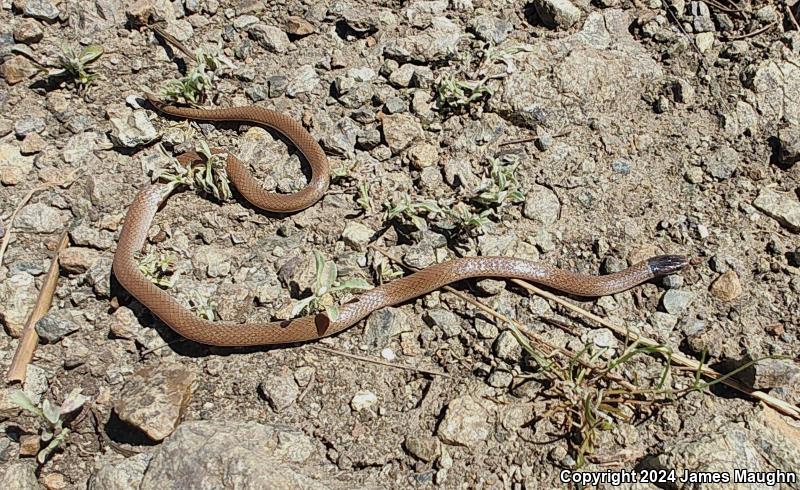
(599, 69)
(154, 398)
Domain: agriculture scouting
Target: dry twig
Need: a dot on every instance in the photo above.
(30, 339)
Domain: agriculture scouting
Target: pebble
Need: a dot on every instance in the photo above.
(423, 155)
(782, 207)
(153, 399)
(131, 129)
(542, 205)
(363, 400)
(663, 322)
(485, 330)
(270, 38)
(298, 26)
(20, 475)
(490, 28)
(55, 325)
(722, 164)
(676, 301)
(15, 166)
(280, 390)
(32, 144)
(86, 236)
(77, 260)
(727, 287)
(789, 142)
(29, 124)
(304, 79)
(673, 281)
(401, 77)
(28, 31)
(500, 378)
(368, 138)
(620, 166)
(444, 319)
(704, 41)
(16, 69)
(400, 130)
(395, 105)
(465, 423)
(40, 9)
(382, 326)
(424, 448)
(277, 85)
(507, 348)
(341, 140)
(561, 14)
(357, 235)
(41, 218)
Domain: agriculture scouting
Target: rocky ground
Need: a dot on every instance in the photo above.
(587, 135)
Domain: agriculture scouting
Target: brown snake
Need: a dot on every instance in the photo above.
(183, 321)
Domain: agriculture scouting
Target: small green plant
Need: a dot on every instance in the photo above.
(468, 220)
(158, 268)
(208, 175)
(466, 83)
(411, 212)
(501, 184)
(194, 87)
(53, 418)
(327, 285)
(364, 201)
(73, 64)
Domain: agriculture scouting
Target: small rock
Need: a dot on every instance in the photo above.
(363, 400)
(305, 79)
(673, 281)
(29, 445)
(368, 139)
(395, 105)
(500, 378)
(40, 9)
(277, 85)
(485, 329)
(29, 124)
(124, 324)
(28, 31)
(423, 155)
(782, 207)
(15, 166)
(32, 144)
(663, 322)
(778, 373)
(20, 475)
(41, 218)
(675, 301)
(280, 390)
(126, 473)
(621, 166)
(270, 38)
(401, 77)
(507, 348)
(727, 286)
(77, 260)
(154, 398)
(55, 325)
(383, 325)
(465, 423)
(17, 295)
(542, 205)
(561, 14)
(424, 448)
(131, 129)
(491, 28)
(298, 26)
(722, 164)
(54, 481)
(357, 235)
(84, 235)
(704, 41)
(789, 142)
(400, 130)
(17, 69)
(444, 319)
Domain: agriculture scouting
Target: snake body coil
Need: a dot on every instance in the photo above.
(141, 212)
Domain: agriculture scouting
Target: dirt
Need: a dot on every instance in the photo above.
(630, 136)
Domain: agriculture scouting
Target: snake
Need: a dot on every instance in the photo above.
(142, 210)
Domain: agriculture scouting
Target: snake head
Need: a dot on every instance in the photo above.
(664, 265)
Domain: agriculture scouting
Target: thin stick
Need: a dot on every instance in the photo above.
(379, 362)
(777, 404)
(754, 33)
(30, 339)
(171, 40)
